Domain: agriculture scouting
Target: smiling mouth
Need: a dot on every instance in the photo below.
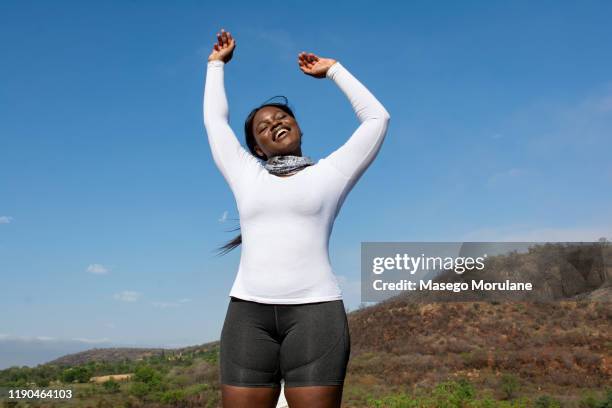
(280, 133)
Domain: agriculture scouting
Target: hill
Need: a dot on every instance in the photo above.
(119, 354)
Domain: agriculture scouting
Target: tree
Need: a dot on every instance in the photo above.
(111, 386)
(76, 374)
(147, 375)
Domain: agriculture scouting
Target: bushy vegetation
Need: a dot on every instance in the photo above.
(462, 394)
(167, 380)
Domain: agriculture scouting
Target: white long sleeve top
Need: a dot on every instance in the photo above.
(286, 222)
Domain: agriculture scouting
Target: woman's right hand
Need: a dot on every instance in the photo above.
(313, 65)
(224, 48)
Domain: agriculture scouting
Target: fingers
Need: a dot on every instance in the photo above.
(224, 40)
(219, 43)
(307, 60)
(303, 57)
(302, 62)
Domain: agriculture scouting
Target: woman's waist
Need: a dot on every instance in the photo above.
(284, 244)
(272, 285)
(272, 263)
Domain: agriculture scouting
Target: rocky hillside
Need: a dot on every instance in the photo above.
(558, 347)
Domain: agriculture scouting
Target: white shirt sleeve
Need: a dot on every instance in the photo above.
(230, 157)
(354, 157)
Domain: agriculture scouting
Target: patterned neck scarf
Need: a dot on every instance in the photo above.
(283, 165)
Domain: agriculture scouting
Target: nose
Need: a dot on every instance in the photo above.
(277, 124)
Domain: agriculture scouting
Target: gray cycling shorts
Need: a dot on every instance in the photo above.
(305, 344)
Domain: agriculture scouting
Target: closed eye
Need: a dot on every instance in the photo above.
(265, 123)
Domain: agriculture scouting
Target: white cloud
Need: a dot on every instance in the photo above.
(167, 305)
(91, 341)
(45, 338)
(5, 219)
(27, 338)
(97, 269)
(128, 296)
(51, 339)
(223, 217)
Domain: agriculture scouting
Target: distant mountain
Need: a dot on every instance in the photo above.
(20, 351)
(117, 354)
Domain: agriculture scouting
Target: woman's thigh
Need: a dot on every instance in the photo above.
(316, 346)
(249, 347)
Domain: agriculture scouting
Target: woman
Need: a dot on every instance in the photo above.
(286, 318)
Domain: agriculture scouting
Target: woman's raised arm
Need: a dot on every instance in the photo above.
(229, 156)
(354, 157)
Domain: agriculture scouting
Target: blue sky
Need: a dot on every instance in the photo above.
(110, 203)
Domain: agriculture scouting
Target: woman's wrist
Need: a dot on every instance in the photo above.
(216, 62)
(332, 70)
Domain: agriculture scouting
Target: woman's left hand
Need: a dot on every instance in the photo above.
(313, 65)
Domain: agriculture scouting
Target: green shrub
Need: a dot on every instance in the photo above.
(588, 401)
(196, 389)
(607, 402)
(139, 389)
(210, 356)
(111, 386)
(147, 375)
(509, 385)
(42, 382)
(393, 401)
(546, 402)
(76, 374)
(451, 394)
(173, 397)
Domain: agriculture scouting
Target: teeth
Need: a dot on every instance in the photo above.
(280, 133)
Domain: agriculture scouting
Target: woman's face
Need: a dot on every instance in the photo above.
(276, 133)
